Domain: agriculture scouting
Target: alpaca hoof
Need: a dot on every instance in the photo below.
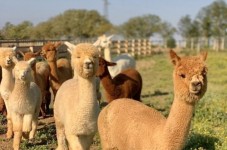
(9, 135)
(25, 135)
(31, 141)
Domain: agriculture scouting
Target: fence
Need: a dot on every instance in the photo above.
(138, 47)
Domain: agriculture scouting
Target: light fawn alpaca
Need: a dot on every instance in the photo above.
(7, 62)
(76, 108)
(126, 124)
(24, 103)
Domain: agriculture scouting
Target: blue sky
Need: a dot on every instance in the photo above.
(36, 11)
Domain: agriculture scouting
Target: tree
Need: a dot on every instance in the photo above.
(166, 31)
(213, 19)
(141, 27)
(189, 30)
(74, 24)
(20, 31)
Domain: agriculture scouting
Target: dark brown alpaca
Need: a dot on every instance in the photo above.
(127, 84)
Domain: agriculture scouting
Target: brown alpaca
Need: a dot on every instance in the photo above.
(127, 84)
(126, 124)
(41, 73)
(60, 70)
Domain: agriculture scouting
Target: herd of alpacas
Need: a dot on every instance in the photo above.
(125, 123)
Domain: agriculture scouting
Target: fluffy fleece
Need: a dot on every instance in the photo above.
(24, 103)
(127, 84)
(127, 124)
(124, 61)
(77, 98)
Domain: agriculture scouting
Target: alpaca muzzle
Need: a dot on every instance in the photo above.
(196, 84)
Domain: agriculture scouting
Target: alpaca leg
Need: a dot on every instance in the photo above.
(74, 142)
(27, 123)
(60, 136)
(86, 141)
(17, 121)
(17, 139)
(34, 128)
(9, 133)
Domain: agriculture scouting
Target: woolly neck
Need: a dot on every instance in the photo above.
(177, 125)
(7, 83)
(88, 104)
(108, 83)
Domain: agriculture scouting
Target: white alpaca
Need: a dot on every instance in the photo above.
(124, 61)
(76, 109)
(24, 103)
(7, 59)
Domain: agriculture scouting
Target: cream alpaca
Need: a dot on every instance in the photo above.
(126, 124)
(24, 103)
(7, 59)
(124, 61)
(76, 108)
(41, 73)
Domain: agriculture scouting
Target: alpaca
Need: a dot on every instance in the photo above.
(127, 124)
(98, 92)
(60, 70)
(124, 61)
(2, 104)
(127, 84)
(7, 61)
(41, 72)
(24, 103)
(77, 97)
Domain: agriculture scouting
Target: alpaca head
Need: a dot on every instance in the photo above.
(29, 55)
(84, 60)
(49, 51)
(22, 70)
(190, 76)
(103, 41)
(103, 66)
(7, 57)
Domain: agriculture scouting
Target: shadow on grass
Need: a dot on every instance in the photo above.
(156, 93)
(199, 141)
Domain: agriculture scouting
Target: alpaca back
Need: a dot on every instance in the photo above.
(130, 83)
(64, 69)
(129, 131)
(124, 61)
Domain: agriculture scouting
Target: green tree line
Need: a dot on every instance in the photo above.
(210, 22)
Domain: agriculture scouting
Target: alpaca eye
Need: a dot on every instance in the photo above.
(182, 75)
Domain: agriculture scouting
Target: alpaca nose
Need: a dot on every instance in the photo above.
(196, 83)
(88, 64)
(8, 61)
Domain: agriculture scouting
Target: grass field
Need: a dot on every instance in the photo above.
(209, 124)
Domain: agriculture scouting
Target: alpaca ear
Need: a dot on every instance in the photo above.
(14, 48)
(70, 46)
(111, 63)
(203, 55)
(31, 61)
(69, 50)
(38, 53)
(15, 60)
(110, 37)
(175, 59)
(20, 52)
(57, 44)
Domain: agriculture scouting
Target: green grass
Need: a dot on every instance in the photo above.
(209, 125)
